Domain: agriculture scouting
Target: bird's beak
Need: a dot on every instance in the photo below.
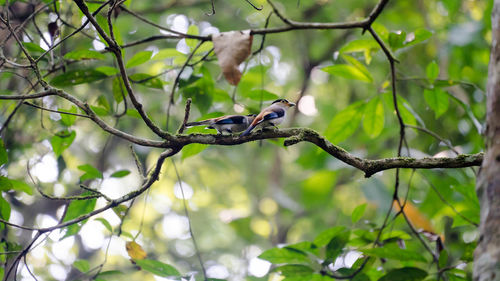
(290, 104)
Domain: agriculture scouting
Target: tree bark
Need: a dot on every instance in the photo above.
(487, 254)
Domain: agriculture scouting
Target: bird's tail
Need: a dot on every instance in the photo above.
(198, 123)
(247, 131)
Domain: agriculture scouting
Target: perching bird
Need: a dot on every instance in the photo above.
(270, 116)
(227, 123)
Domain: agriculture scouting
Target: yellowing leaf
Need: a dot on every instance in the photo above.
(232, 48)
(417, 219)
(135, 251)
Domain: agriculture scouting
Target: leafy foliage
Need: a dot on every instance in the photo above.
(255, 210)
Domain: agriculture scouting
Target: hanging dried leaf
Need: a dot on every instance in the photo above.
(53, 30)
(232, 48)
(135, 251)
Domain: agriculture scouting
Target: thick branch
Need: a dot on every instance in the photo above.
(368, 166)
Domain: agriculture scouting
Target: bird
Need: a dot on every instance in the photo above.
(270, 116)
(227, 123)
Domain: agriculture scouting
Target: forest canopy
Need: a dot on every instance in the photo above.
(370, 177)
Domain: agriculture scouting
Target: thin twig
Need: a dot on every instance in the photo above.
(213, 9)
(186, 116)
(255, 7)
(55, 111)
(431, 133)
(186, 212)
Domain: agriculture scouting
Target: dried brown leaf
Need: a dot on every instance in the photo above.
(232, 48)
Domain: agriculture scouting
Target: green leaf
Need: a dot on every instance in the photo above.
(75, 77)
(139, 58)
(192, 149)
(407, 113)
(336, 245)
(166, 54)
(103, 102)
(61, 141)
(68, 119)
(405, 274)
(359, 45)
(468, 252)
(205, 47)
(305, 246)
(361, 67)
(348, 71)
(396, 40)
(382, 31)
(358, 212)
(4, 210)
(437, 99)
(5, 184)
(133, 113)
(201, 91)
(158, 268)
(432, 71)
(75, 209)
(82, 265)
(373, 117)
(420, 35)
(106, 224)
(33, 48)
(21, 186)
(90, 172)
(294, 270)
(192, 30)
(119, 90)
(443, 258)
(284, 255)
(108, 70)
(468, 191)
(120, 174)
(259, 95)
(3, 153)
(399, 234)
(147, 80)
(84, 54)
(110, 273)
(325, 236)
(99, 110)
(392, 251)
(345, 123)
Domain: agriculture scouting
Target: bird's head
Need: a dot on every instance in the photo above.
(284, 102)
(251, 117)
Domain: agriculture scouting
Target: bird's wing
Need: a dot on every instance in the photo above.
(267, 114)
(198, 123)
(231, 119)
(273, 114)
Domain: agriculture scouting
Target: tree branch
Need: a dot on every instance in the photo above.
(368, 166)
